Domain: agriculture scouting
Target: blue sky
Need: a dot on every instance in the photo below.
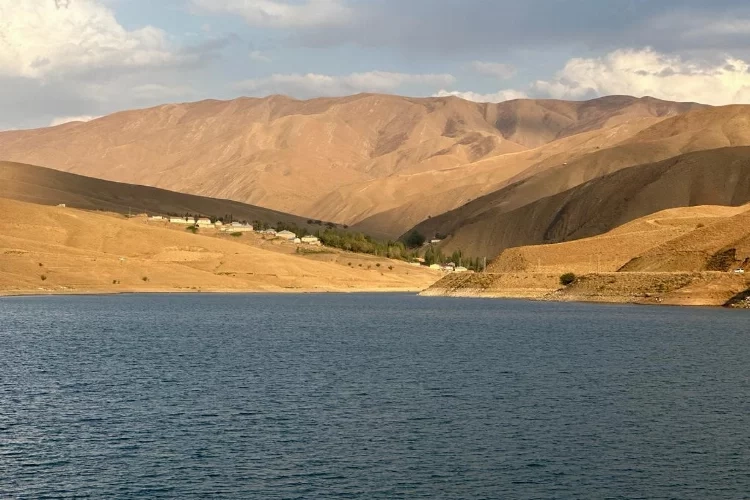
(65, 59)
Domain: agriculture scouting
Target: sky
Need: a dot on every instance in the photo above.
(62, 60)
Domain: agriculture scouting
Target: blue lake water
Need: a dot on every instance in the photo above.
(370, 396)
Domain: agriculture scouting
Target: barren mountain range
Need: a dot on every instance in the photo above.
(487, 176)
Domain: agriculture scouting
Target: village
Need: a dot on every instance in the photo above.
(284, 235)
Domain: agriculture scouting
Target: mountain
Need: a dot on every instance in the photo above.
(386, 162)
(680, 256)
(45, 186)
(686, 239)
(46, 249)
(502, 220)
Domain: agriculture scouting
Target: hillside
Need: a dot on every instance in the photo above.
(491, 224)
(386, 161)
(47, 249)
(689, 236)
(681, 256)
(45, 186)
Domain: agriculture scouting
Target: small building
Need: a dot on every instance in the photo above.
(286, 235)
(435, 266)
(269, 232)
(311, 240)
(181, 220)
(61, 205)
(204, 223)
(297, 241)
(460, 269)
(156, 218)
(435, 241)
(218, 224)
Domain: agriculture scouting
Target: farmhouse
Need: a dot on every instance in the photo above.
(181, 220)
(310, 240)
(286, 235)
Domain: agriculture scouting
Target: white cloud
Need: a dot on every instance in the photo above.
(47, 38)
(647, 72)
(281, 13)
(60, 120)
(258, 56)
(495, 70)
(502, 95)
(312, 84)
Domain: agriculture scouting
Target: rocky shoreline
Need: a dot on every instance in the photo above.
(685, 289)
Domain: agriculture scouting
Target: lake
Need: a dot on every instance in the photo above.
(370, 396)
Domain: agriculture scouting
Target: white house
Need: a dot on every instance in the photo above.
(310, 240)
(460, 269)
(204, 223)
(286, 235)
(181, 220)
(156, 217)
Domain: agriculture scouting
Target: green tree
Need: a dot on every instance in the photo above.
(415, 239)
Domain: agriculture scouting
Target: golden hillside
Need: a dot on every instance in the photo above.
(687, 239)
(491, 224)
(51, 187)
(386, 161)
(681, 256)
(47, 249)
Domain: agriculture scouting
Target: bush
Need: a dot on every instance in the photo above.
(145, 279)
(415, 239)
(236, 235)
(390, 268)
(192, 229)
(44, 277)
(567, 279)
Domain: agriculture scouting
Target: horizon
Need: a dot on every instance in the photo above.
(80, 120)
(66, 60)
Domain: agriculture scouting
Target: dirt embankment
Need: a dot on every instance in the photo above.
(693, 289)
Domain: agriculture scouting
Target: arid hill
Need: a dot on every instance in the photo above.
(51, 187)
(47, 249)
(688, 239)
(386, 161)
(499, 221)
(680, 256)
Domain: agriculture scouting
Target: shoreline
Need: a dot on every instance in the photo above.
(172, 291)
(698, 289)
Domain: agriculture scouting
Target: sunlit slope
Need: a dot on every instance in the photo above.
(674, 240)
(51, 187)
(714, 177)
(57, 250)
(344, 159)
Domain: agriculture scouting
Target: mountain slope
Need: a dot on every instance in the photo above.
(47, 249)
(714, 177)
(640, 245)
(344, 159)
(697, 130)
(45, 186)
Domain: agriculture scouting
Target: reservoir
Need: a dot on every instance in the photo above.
(370, 396)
